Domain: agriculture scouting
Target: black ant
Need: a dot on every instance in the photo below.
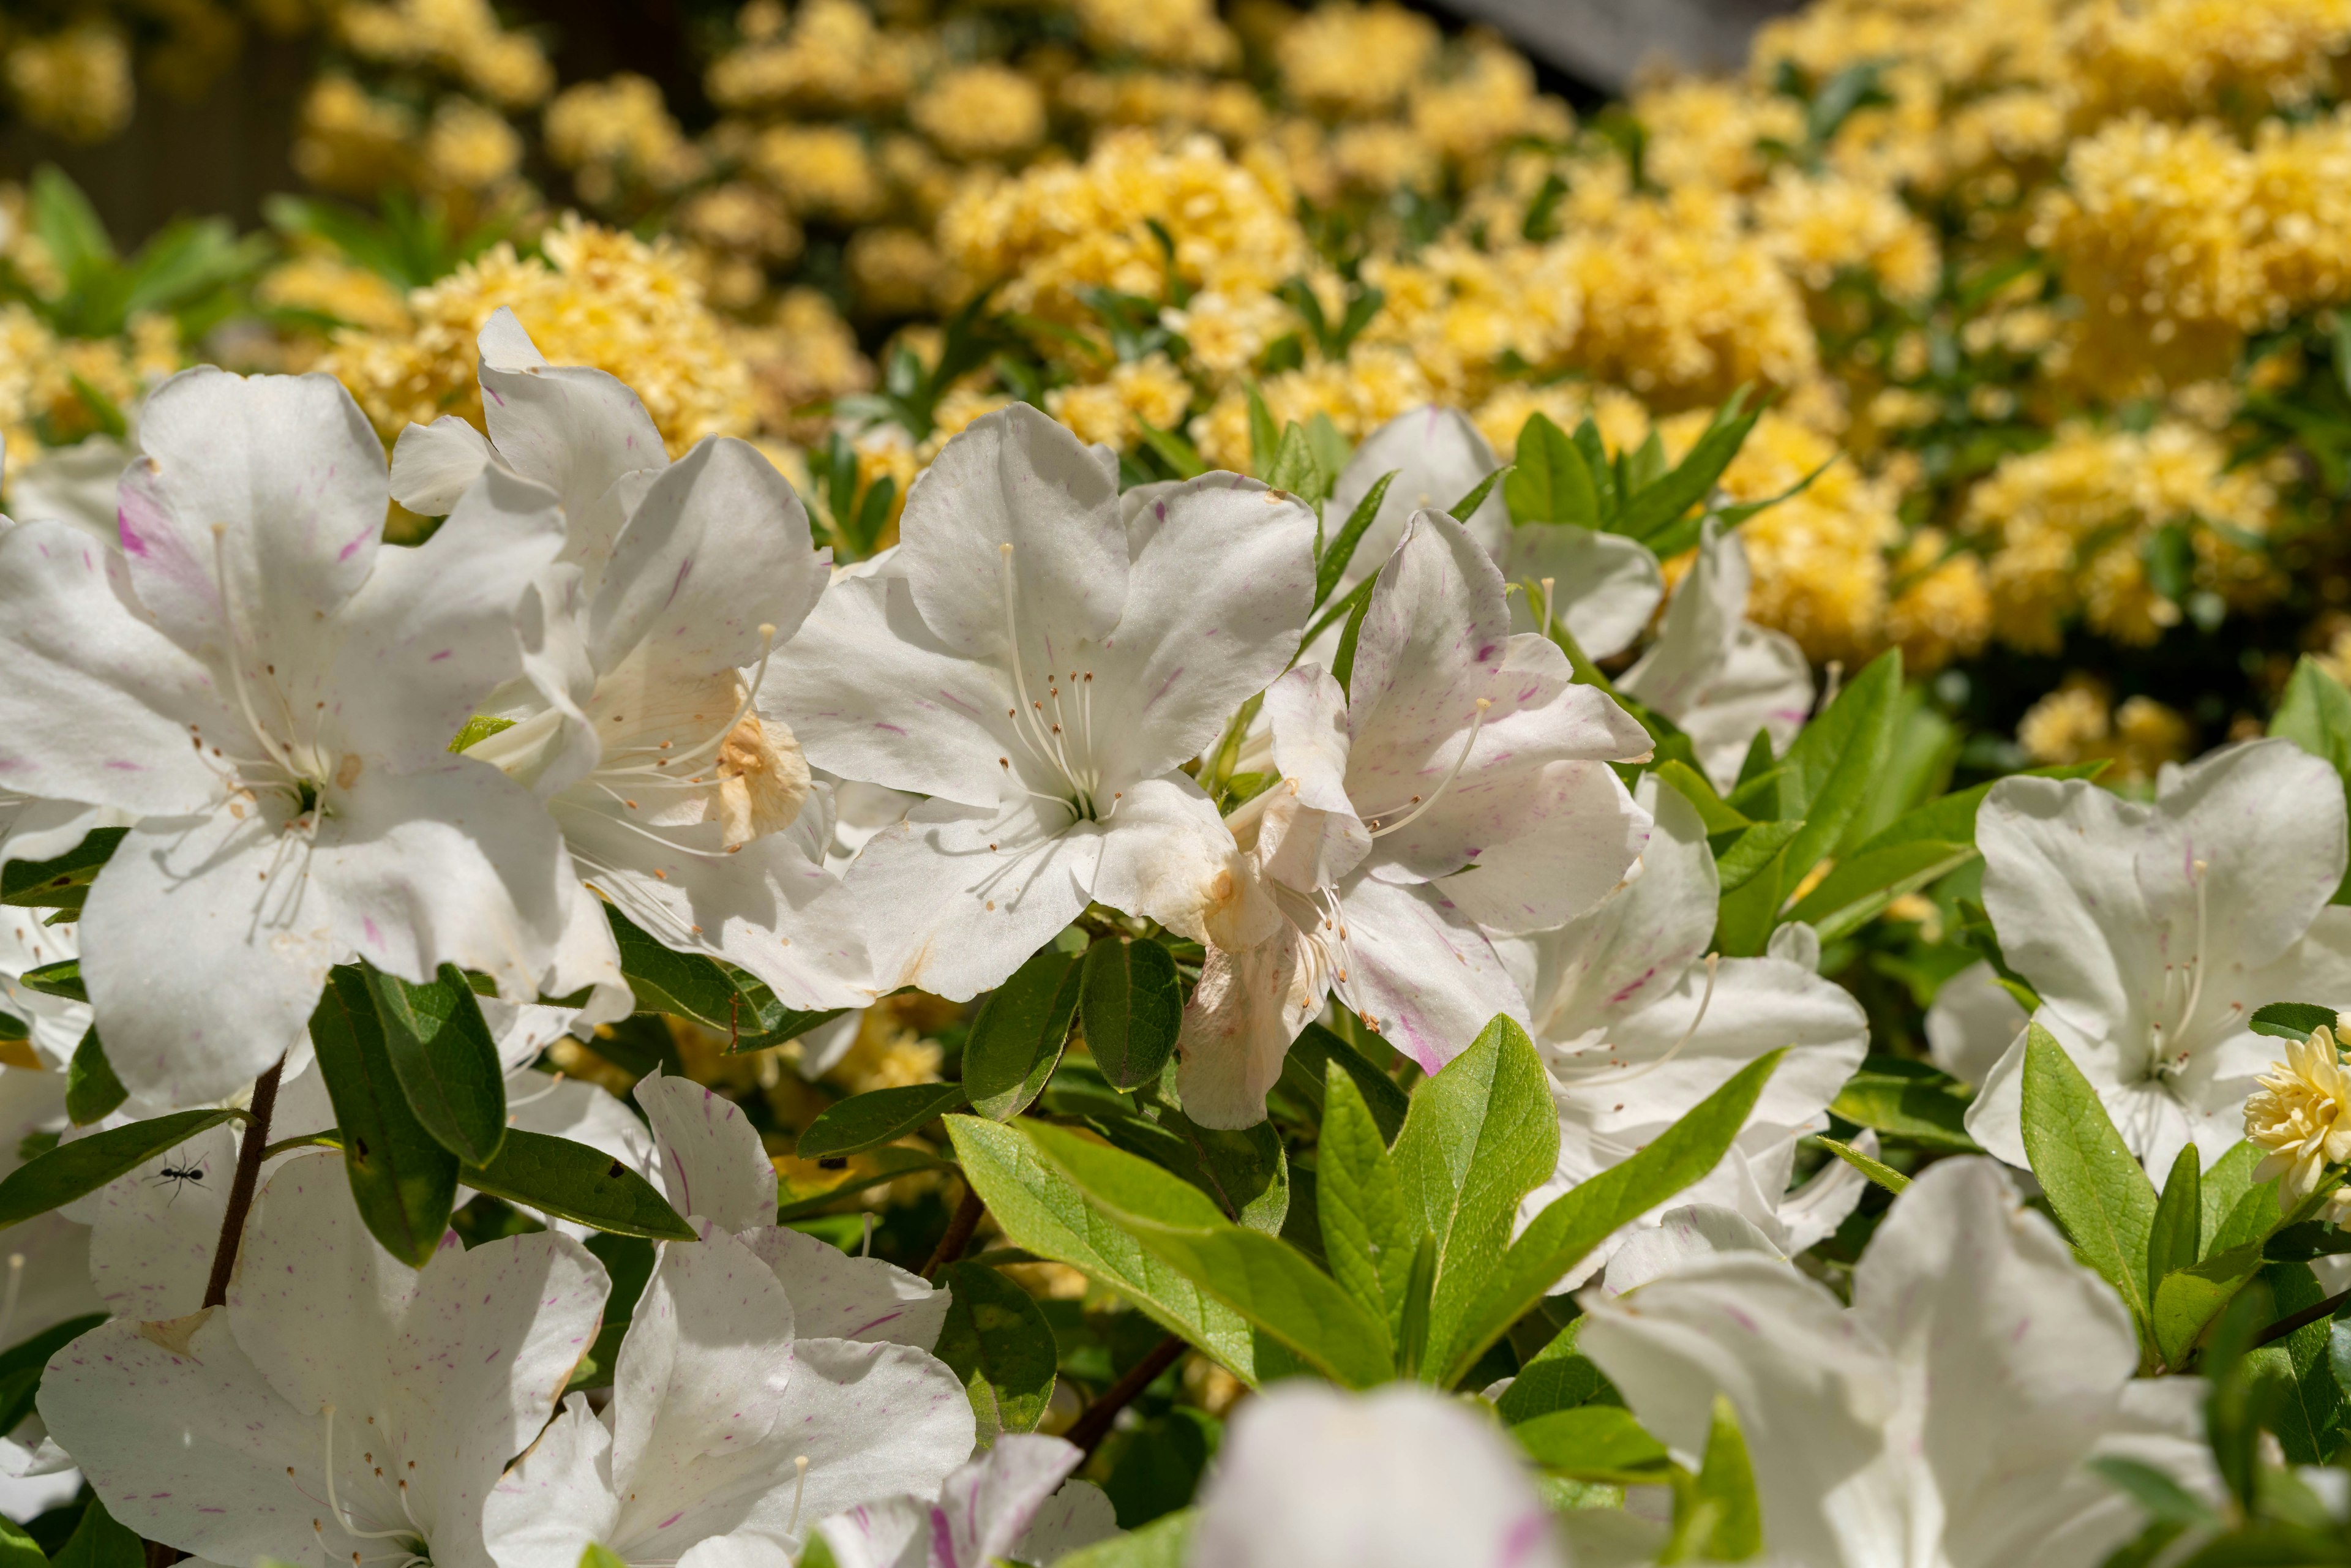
(179, 1176)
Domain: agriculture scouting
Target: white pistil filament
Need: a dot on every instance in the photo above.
(663, 763)
(1414, 808)
(2170, 1058)
(1705, 1001)
(284, 766)
(1052, 735)
(800, 1490)
(413, 1532)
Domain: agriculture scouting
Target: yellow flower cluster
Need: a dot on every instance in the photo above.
(2068, 530)
(2081, 721)
(42, 375)
(616, 135)
(76, 83)
(599, 298)
(460, 39)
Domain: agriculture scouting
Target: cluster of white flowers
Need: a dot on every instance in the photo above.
(609, 682)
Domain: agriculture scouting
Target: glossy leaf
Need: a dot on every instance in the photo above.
(1577, 1222)
(101, 1542)
(876, 1117)
(62, 881)
(1316, 1048)
(404, 1181)
(1550, 482)
(62, 978)
(2098, 1189)
(571, 1181)
(713, 994)
(1835, 761)
(1717, 1518)
(1883, 1175)
(72, 1170)
(1264, 1278)
(445, 1060)
(2186, 1300)
(1594, 1443)
(1653, 509)
(1341, 550)
(21, 1365)
(885, 1164)
(1481, 1134)
(998, 1341)
(2176, 1236)
(1365, 1238)
(1165, 1542)
(92, 1090)
(1043, 1211)
(1017, 1040)
(1558, 1377)
(2293, 1021)
(1908, 1099)
(1132, 1004)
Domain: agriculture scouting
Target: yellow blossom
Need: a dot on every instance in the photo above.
(2299, 1117)
(1347, 60)
(981, 111)
(76, 83)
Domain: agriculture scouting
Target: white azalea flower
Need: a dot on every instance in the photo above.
(1717, 676)
(635, 721)
(2153, 932)
(1039, 660)
(1004, 1504)
(341, 1407)
(1972, 1023)
(273, 694)
(1457, 786)
(1637, 1030)
(766, 1381)
(1313, 1477)
(55, 1025)
(1942, 1420)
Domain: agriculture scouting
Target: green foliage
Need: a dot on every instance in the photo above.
(62, 881)
(99, 1542)
(998, 1341)
(571, 1181)
(403, 1178)
(92, 1090)
(446, 1062)
(2099, 1193)
(879, 1116)
(72, 1170)
(1130, 1004)
(713, 994)
(1017, 1040)
(187, 270)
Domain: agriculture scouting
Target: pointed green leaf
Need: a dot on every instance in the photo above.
(574, 1182)
(998, 1341)
(1655, 507)
(401, 1177)
(1550, 482)
(1043, 1211)
(1558, 1378)
(63, 881)
(2099, 1192)
(1579, 1221)
(2186, 1299)
(62, 978)
(99, 1541)
(1835, 761)
(92, 1090)
(1596, 1443)
(1463, 510)
(1908, 1099)
(1017, 1040)
(1883, 1175)
(446, 1062)
(1131, 1004)
(1264, 1278)
(2293, 1021)
(2175, 1239)
(878, 1117)
(1342, 548)
(1365, 1238)
(73, 1170)
(1318, 1048)
(1724, 1520)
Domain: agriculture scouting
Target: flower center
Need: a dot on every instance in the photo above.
(1059, 736)
(412, 1547)
(291, 762)
(2181, 988)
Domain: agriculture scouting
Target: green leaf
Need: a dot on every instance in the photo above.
(1577, 1222)
(1165, 1542)
(1751, 851)
(595, 1556)
(1693, 786)
(402, 1179)
(1366, 1238)
(1907, 1099)
(1245, 1173)
(2225, 1182)
(1550, 482)
(998, 1341)
(713, 994)
(2293, 1021)
(68, 226)
(62, 978)
(1264, 439)
(1043, 1211)
(574, 1182)
(2315, 713)
(1594, 1443)
(2155, 1490)
(1179, 454)
(2186, 1299)
(1017, 1040)
(1885, 1175)
(1295, 468)
(92, 1090)
(879, 1116)
(2175, 1239)
(1870, 881)
(18, 1550)
(1130, 1003)
(1342, 548)
(99, 1541)
(2098, 1191)
(1343, 662)
(1656, 507)
(1833, 763)
(1481, 1134)
(1717, 1518)
(1318, 1048)
(885, 1164)
(2309, 1417)
(71, 1170)
(63, 881)
(446, 1060)
(596, 1368)
(1595, 452)
(1264, 1278)
(1559, 1377)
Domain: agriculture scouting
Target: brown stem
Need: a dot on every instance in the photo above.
(958, 1235)
(1092, 1428)
(159, 1555)
(240, 1187)
(2303, 1318)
